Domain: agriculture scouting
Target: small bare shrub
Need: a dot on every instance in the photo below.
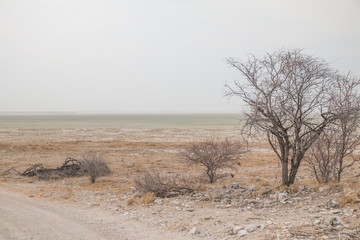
(163, 186)
(94, 166)
(334, 150)
(214, 155)
(320, 160)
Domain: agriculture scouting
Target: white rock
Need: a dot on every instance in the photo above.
(175, 202)
(268, 222)
(335, 211)
(195, 231)
(317, 221)
(251, 228)
(242, 233)
(158, 201)
(321, 189)
(236, 229)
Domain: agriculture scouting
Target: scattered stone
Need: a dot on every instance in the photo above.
(285, 200)
(178, 209)
(322, 189)
(269, 222)
(251, 228)
(215, 196)
(332, 204)
(336, 221)
(317, 222)
(158, 201)
(230, 232)
(217, 222)
(335, 211)
(229, 228)
(242, 233)
(186, 205)
(175, 202)
(274, 195)
(236, 229)
(201, 197)
(235, 186)
(195, 231)
(225, 201)
(282, 196)
(253, 188)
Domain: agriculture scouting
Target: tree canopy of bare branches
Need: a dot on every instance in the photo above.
(213, 155)
(288, 98)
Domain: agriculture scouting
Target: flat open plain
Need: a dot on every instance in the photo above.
(248, 205)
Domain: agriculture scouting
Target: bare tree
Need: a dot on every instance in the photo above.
(214, 155)
(340, 139)
(287, 98)
(94, 166)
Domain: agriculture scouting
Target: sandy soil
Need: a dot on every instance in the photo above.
(113, 208)
(24, 217)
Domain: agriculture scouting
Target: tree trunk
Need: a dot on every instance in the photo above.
(284, 173)
(293, 172)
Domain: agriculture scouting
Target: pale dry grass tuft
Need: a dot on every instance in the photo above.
(352, 197)
(148, 198)
(131, 201)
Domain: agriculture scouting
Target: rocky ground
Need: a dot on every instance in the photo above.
(245, 206)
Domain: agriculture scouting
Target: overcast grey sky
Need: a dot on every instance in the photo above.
(156, 55)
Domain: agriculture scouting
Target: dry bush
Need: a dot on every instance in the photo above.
(94, 166)
(163, 186)
(214, 155)
(319, 160)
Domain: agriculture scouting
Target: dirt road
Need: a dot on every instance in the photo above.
(24, 217)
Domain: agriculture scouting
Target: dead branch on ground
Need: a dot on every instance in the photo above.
(7, 172)
(163, 186)
(70, 168)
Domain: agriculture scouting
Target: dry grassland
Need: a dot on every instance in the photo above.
(130, 152)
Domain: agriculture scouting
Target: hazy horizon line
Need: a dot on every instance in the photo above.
(105, 113)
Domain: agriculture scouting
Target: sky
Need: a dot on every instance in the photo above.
(158, 56)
